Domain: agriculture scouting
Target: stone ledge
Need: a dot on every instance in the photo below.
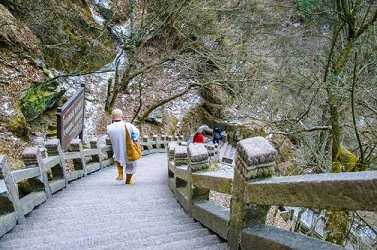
(268, 237)
(349, 190)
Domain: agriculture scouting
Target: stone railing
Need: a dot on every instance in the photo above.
(254, 190)
(49, 174)
(157, 144)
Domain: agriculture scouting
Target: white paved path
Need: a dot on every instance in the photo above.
(98, 212)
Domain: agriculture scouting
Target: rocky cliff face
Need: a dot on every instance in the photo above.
(38, 38)
(66, 33)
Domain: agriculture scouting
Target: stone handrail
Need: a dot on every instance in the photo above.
(253, 190)
(50, 172)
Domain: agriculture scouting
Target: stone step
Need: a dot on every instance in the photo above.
(95, 239)
(81, 195)
(48, 220)
(155, 241)
(73, 203)
(188, 244)
(40, 225)
(109, 207)
(219, 246)
(71, 229)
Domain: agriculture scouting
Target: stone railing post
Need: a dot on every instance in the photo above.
(198, 160)
(255, 159)
(97, 158)
(110, 153)
(180, 155)
(54, 149)
(79, 163)
(171, 165)
(32, 156)
(163, 142)
(171, 150)
(180, 175)
(6, 179)
(211, 149)
(155, 145)
(146, 145)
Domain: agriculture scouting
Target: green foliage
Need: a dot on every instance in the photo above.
(307, 6)
(39, 98)
(18, 125)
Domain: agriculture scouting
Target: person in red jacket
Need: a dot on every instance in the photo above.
(199, 137)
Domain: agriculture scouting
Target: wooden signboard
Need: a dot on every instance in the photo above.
(70, 118)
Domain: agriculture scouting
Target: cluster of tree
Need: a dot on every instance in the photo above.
(311, 76)
(307, 69)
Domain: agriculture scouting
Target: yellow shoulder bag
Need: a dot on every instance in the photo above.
(133, 149)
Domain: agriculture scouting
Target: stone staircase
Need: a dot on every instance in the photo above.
(99, 213)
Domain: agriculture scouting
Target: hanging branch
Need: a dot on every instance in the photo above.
(140, 104)
(354, 82)
(165, 101)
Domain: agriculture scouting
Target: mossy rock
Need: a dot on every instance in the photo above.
(19, 126)
(40, 98)
(106, 13)
(346, 161)
(214, 94)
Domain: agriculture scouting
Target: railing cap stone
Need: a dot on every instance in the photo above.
(30, 152)
(256, 150)
(197, 152)
(180, 151)
(52, 143)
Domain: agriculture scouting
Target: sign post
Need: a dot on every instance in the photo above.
(70, 118)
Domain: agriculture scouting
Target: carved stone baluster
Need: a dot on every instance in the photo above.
(32, 156)
(155, 145)
(54, 149)
(98, 157)
(12, 194)
(79, 163)
(181, 138)
(163, 143)
(198, 160)
(146, 145)
(110, 153)
(171, 166)
(181, 175)
(255, 159)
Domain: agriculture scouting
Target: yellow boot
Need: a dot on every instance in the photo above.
(120, 172)
(129, 179)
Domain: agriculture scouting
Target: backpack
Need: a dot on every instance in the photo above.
(217, 133)
(133, 149)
